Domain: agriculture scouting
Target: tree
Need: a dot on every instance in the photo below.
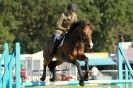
(113, 21)
(31, 22)
(5, 36)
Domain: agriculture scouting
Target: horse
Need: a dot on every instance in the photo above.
(72, 50)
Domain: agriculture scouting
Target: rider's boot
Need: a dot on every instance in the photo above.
(54, 49)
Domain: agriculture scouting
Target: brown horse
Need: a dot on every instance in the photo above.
(71, 50)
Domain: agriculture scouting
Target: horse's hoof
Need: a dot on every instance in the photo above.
(81, 83)
(86, 78)
(52, 79)
(42, 78)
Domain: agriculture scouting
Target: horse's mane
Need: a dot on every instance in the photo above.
(80, 23)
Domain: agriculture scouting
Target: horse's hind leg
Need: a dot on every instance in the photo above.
(44, 73)
(52, 70)
(52, 65)
(46, 62)
(86, 77)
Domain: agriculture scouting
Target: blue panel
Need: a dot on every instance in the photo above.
(104, 61)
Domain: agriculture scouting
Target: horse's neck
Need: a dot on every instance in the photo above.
(74, 36)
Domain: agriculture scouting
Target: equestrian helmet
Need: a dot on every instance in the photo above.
(71, 6)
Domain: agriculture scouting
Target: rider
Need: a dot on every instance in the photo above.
(63, 24)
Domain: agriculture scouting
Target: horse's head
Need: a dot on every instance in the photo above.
(85, 30)
(82, 31)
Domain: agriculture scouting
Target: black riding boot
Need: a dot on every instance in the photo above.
(56, 44)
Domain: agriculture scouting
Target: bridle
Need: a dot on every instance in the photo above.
(82, 36)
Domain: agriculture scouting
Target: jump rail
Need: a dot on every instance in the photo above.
(64, 83)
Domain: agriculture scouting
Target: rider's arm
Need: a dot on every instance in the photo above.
(60, 23)
(75, 17)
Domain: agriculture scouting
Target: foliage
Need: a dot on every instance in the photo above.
(31, 22)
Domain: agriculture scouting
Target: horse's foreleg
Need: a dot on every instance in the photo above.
(81, 81)
(44, 73)
(86, 77)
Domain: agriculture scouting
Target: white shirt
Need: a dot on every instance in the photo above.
(95, 71)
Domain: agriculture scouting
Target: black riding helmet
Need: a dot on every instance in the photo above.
(71, 6)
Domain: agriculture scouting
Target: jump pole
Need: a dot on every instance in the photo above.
(65, 83)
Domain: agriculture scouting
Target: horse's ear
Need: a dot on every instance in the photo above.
(88, 22)
(90, 25)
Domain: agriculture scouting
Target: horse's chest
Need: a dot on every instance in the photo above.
(79, 46)
(79, 49)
